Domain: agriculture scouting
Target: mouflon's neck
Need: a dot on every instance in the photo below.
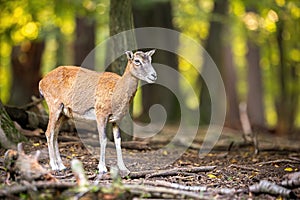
(126, 87)
(128, 83)
(123, 94)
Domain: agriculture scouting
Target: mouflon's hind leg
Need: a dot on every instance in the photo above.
(101, 125)
(117, 138)
(55, 120)
(60, 164)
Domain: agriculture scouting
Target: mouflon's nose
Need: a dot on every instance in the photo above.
(154, 76)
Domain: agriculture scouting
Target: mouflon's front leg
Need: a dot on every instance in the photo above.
(117, 138)
(101, 124)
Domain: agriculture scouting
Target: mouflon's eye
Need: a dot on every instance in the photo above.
(137, 62)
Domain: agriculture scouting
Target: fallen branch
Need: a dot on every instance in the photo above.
(244, 167)
(140, 174)
(292, 180)
(172, 172)
(271, 188)
(175, 185)
(169, 172)
(294, 158)
(159, 192)
(277, 161)
(16, 189)
(294, 183)
(31, 120)
(35, 102)
(226, 191)
(27, 119)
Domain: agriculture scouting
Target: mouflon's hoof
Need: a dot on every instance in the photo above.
(124, 173)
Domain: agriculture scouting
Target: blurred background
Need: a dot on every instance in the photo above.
(255, 45)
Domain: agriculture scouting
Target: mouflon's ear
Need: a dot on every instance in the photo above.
(129, 55)
(150, 53)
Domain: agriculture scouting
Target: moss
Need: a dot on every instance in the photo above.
(7, 125)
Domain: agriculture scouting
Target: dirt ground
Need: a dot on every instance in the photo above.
(236, 165)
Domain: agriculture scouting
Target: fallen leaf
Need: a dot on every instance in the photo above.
(288, 169)
(211, 176)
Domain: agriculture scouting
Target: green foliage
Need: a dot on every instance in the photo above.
(23, 20)
(254, 20)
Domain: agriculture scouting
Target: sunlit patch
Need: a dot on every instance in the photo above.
(272, 16)
(269, 22)
(67, 27)
(295, 55)
(237, 8)
(30, 30)
(17, 36)
(295, 11)
(251, 21)
(89, 5)
(280, 2)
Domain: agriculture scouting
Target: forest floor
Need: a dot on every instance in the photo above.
(231, 167)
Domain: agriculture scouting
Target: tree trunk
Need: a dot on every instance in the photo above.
(160, 14)
(9, 135)
(120, 19)
(229, 73)
(26, 71)
(287, 100)
(255, 108)
(85, 41)
(213, 44)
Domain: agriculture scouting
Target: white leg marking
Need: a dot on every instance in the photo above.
(102, 168)
(103, 141)
(51, 153)
(52, 133)
(120, 161)
(59, 163)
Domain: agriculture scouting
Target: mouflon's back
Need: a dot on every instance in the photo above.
(77, 88)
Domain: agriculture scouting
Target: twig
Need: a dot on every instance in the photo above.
(172, 172)
(277, 161)
(244, 167)
(294, 158)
